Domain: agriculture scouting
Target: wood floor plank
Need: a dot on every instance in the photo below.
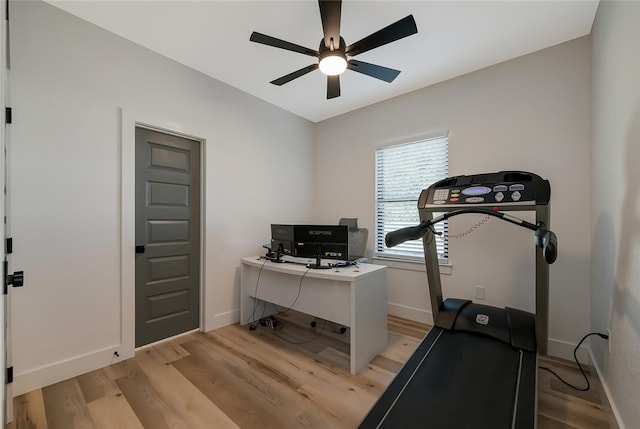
(171, 351)
(120, 369)
(580, 415)
(112, 411)
(545, 422)
(307, 368)
(387, 364)
(65, 406)
(416, 331)
(96, 384)
(283, 375)
(349, 409)
(297, 361)
(399, 347)
(29, 411)
(400, 321)
(376, 375)
(149, 407)
(274, 395)
(194, 407)
(324, 386)
(336, 356)
(241, 406)
(569, 372)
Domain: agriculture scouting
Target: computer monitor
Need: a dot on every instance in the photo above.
(309, 241)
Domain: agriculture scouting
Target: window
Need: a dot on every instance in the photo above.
(402, 172)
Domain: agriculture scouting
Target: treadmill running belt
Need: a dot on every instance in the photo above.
(444, 393)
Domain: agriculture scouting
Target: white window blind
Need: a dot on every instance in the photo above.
(402, 172)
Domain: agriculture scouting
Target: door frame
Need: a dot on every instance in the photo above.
(6, 359)
(129, 120)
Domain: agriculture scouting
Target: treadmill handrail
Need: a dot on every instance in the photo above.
(544, 238)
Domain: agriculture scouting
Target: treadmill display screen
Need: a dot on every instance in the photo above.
(476, 190)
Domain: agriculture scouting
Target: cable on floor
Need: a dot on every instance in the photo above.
(575, 350)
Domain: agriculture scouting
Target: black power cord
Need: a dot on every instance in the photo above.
(252, 326)
(575, 350)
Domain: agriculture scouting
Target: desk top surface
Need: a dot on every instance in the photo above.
(349, 273)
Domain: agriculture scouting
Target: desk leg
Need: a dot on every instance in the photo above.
(368, 320)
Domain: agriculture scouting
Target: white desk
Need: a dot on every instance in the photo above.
(350, 296)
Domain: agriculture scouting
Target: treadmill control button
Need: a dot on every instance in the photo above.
(439, 202)
(474, 200)
(455, 195)
(517, 187)
(500, 188)
(499, 196)
(453, 199)
(441, 194)
(516, 196)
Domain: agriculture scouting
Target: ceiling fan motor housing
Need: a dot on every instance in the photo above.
(327, 50)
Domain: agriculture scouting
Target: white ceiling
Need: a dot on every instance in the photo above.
(454, 38)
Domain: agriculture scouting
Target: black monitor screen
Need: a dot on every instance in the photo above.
(309, 241)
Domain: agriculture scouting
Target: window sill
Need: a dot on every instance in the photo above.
(403, 264)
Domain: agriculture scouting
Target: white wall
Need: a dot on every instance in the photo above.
(616, 203)
(531, 113)
(69, 81)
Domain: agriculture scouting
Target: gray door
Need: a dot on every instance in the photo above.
(167, 235)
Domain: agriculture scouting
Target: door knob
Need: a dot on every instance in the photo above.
(140, 249)
(16, 279)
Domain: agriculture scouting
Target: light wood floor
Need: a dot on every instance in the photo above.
(236, 378)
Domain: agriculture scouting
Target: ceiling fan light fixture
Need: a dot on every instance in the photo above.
(333, 63)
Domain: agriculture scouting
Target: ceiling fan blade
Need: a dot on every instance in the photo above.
(399, 29)
(296, 74)
(330, 11)
(282, 44)
(333, 86)
(379, 72)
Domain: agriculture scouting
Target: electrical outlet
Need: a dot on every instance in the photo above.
(609, 339)
(480, 292)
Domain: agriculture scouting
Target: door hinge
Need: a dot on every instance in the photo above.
(8, 246)
(9, 375)
(8, 115)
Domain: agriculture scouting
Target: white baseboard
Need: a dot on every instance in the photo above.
(59, 371)
(222, 319)
(410, 313)
(564, 350)
(615, 422)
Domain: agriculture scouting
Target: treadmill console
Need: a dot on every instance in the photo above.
(492, 189)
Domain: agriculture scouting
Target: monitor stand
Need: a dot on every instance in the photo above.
(318, 265)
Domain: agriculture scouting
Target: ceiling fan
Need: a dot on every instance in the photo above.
(333, 51)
